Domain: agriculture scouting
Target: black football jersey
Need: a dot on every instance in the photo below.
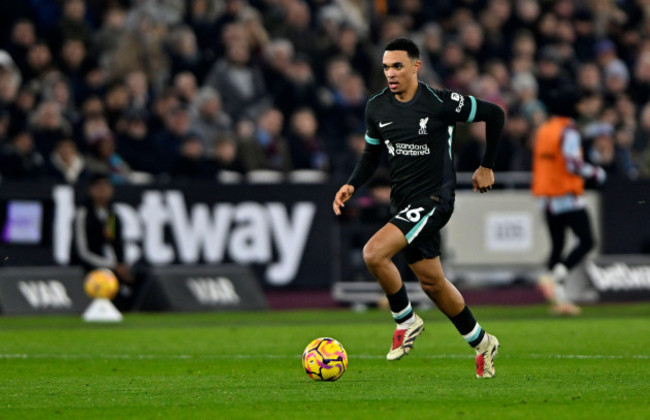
(418, 137)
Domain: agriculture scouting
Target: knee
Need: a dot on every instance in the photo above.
(371, 256)
(433, 285)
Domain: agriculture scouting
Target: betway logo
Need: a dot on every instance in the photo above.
(213, 291)
(162, 229)
(42, 294)
(619, 277)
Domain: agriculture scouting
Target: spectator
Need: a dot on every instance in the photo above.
(583, 22)
(23, 36)
(550, 73)
(208, 119)
(168, 141)
(48, 126)
(39, 61)
(141, 47)
(75, 64)
(21, 108)
(65, 164)
(297, 29)
(589, 108)
(117, 101)
(265, 147)
(192, 162)
(257, 54)
(232, 13)
(20, 160)
(72, 24)
(57, 89)
(135, 143)
(184, 53)
(199, 17)
(237, 78)
(589, 77)
(432, 46)
(103, 159)
(10, 78)
(185, 87)
(517, 133)
(305, 146)
(113, 28)
(358, 53)
(603, 151)
(524, 87)
(137, 85)
(254, 30)
(225, 155)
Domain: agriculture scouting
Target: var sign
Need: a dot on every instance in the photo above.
(213, 290)
(43, 294)
(32, 290)
(209, 288)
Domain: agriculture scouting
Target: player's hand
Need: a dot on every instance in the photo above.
(483, 179)
(343, 195)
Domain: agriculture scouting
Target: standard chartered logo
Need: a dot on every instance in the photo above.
(408, 149)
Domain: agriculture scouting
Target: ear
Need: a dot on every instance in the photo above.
(416, 66)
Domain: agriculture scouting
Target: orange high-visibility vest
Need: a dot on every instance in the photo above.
(550, 175)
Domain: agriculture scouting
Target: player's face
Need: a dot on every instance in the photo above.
(400, 71)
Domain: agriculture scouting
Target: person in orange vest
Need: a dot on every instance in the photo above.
(559, 174)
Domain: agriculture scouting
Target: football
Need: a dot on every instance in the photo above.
(101, 284)
(324, 359)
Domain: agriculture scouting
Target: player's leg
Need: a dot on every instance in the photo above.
(449, 300)
(578, 222)
(556, 224)
(378, 254)
(556, 228)
(434, 284)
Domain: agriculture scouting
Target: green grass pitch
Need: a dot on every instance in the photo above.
(246, 365)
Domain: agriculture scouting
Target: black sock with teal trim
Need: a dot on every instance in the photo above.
(400, 306)
(467, 326)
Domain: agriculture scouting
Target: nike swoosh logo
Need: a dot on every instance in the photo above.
(382, 125)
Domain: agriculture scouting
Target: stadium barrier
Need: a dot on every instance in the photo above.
(42, 290)
(620, 277)
(205, 288)
(59, 290)
(284, 232)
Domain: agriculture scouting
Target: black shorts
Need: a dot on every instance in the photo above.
(420, 221)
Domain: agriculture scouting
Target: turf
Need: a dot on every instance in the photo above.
(247, 365)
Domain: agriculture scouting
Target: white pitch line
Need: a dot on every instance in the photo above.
(9, 356)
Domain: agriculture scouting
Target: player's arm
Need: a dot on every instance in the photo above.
(461, 108)
(494, 119)
(364, 169)
(572, 152)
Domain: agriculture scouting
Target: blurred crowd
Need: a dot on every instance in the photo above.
(159, 90)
